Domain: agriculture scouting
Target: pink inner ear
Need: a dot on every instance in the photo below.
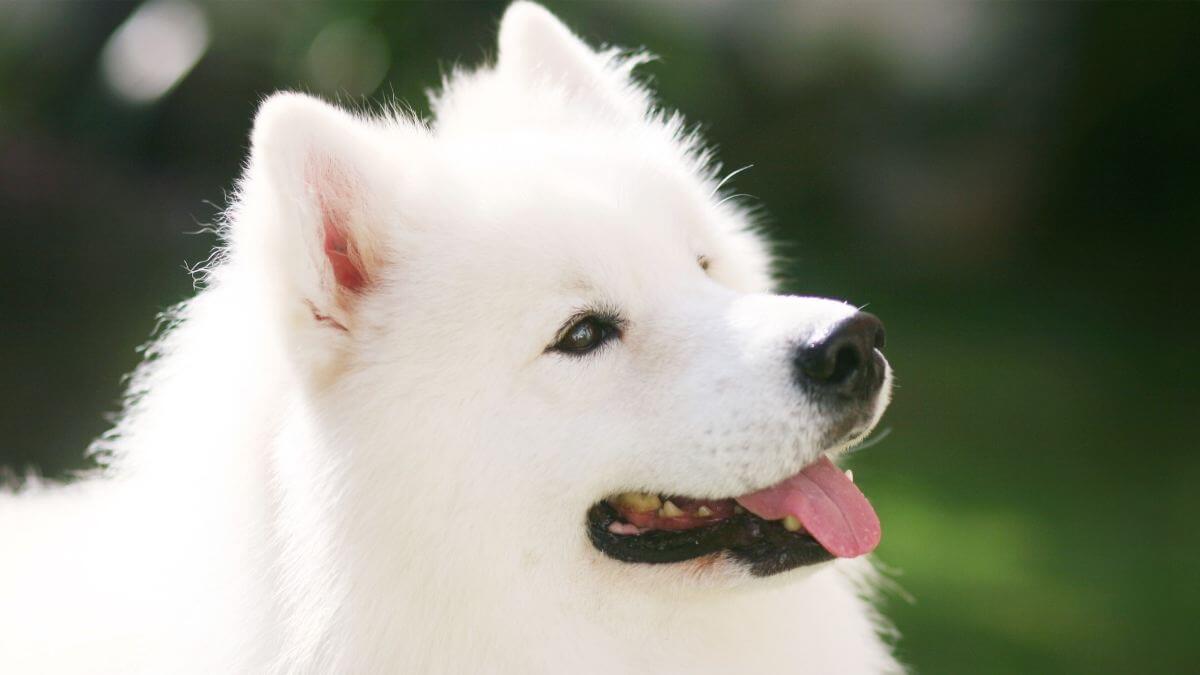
(337, 249)
(333, 189)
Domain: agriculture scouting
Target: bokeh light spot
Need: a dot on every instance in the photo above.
(156, 47)
(348, 57)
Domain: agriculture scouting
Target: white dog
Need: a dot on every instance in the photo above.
(506, 391)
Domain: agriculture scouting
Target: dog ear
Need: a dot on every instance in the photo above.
(536, 47)
(321, 180)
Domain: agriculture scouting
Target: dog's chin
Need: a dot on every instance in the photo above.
(714, 572)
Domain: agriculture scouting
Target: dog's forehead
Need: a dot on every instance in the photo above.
(544, 233)
(598, 188)
(580, 215)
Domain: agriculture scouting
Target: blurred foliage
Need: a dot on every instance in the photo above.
(1012, 187)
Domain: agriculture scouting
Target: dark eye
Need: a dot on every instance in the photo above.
(586, 334)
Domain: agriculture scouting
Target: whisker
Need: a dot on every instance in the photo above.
(728, 178)
(735, 196)
(873, 441)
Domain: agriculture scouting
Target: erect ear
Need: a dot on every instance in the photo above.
(536, 47)
(322, 183)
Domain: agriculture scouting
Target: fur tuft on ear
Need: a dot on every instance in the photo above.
(319, 167)
(536, 47)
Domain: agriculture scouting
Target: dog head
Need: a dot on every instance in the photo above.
(533, 329)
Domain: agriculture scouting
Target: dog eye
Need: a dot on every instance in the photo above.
(586, 334)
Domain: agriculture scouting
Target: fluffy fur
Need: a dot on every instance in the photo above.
(352, 452)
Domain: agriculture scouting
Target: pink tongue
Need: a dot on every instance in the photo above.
(831, 507)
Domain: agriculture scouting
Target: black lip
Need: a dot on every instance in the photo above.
(763, 546)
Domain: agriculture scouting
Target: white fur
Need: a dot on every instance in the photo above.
(407, 495)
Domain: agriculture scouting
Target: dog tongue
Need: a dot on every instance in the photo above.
(830, 506)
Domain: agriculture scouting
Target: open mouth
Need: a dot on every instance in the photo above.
(817, 515)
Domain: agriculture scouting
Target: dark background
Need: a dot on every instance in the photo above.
(1012, 187)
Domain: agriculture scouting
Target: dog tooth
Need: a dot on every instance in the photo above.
(638, 501)
(669, 510)
(618, 527)
(850, 475)
(704, 512)
(792, 523)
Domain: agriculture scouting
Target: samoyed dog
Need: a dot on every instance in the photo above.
(504, 391)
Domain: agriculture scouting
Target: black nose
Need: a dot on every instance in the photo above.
(844, 362)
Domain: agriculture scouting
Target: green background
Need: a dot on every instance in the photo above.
(1011, 187)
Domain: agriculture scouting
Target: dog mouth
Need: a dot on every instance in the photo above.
(814, 516)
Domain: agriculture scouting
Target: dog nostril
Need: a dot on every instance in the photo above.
(845, 363)
(831, 361)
